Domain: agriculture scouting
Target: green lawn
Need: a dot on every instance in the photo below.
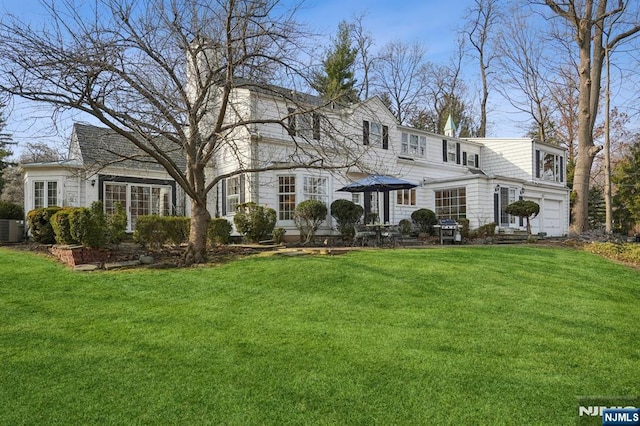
(465, 335)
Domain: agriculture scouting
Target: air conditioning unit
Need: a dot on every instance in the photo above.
(11, 231)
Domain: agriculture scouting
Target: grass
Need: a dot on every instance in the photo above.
(472, 335)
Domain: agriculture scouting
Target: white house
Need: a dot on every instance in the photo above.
(457, 178)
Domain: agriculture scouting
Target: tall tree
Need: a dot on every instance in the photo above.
(5, 147)
(587, 20)
(401, 74)
(522, 71)
(483, 16)
(364, 62)
(336, 80)
(155, 68)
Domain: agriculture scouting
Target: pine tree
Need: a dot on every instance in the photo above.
(336, 82)
(626, 177)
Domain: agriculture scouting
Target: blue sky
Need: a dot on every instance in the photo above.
(431, 22)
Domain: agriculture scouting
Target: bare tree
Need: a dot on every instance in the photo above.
(401, 71)
(523, 77)
(170, 69)
(364, 43)
(482, 17)
(588, 20)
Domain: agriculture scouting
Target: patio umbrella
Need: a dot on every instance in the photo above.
(377, 183)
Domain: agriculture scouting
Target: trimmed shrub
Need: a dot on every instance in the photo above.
(11, 211)
(61, 225)
(254, 222)
(219, 231)
(347, 214)
(149, 232)
(425, 219)
(278, 235)
(154, 231)
(40, 224)
(464, 227)
(117, 225)
(487, 230)
(406, 226)
(176, 229)
(308, 216)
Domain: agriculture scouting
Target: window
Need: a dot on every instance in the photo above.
(286, 197)
(233, 193)
(406, 197)
(114, 193)
(356, 198)
(45, 194)
(315, 188)
(374, 133)
(415, 145)
(450, 152)
(549, 167)
(138, 199)
(470, 159)
(507, 196)
(304, 125)
(451, 203)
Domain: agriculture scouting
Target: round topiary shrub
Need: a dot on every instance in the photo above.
(308, 216)
(347, 214)
(425, 219)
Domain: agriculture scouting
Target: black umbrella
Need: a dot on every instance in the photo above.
(377, 183)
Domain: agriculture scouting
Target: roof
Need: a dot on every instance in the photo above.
(100, 147)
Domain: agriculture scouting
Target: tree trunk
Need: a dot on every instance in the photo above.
(581, 178)
(197, 247)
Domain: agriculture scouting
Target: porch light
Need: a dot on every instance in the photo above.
(93, 182)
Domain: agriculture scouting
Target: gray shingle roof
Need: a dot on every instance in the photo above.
(100, 147)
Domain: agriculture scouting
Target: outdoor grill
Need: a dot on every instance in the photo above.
(449, 230)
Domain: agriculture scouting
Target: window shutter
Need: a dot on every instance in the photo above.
(385, 137)
(242, 180)
(316, 126)
(457, 153)
(561, 169)
(444, 150)
(477, 161)
(291, 122)
(537, 163)
(224, 197)
(365, 132)
(496, 208)
(464, 158)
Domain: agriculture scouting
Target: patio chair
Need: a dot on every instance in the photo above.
(393, 235)
(363, 234)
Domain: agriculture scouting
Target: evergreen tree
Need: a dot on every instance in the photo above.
(626, 177)
(336, 81)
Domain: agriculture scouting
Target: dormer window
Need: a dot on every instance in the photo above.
(549, 166)
(450, 152)
(414, 145)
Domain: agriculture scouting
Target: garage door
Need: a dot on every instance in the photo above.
(551, 215)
